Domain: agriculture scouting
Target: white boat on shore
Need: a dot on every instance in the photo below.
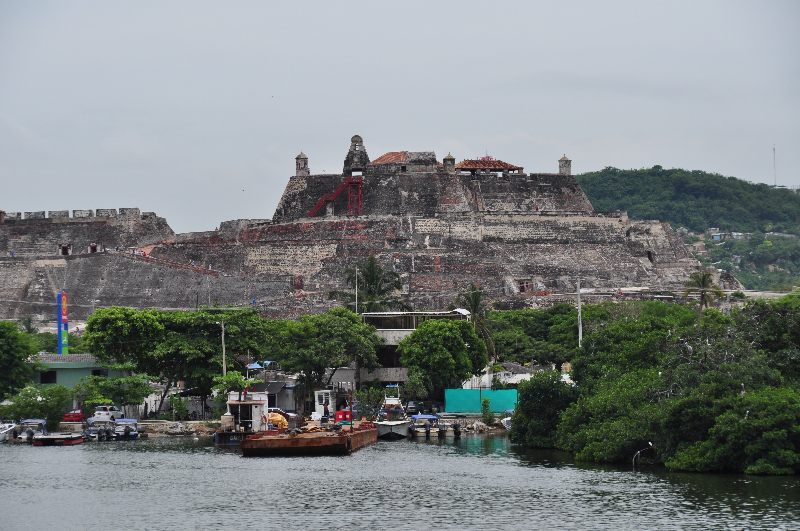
(392, 422)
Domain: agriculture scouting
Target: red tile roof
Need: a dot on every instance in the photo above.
(486, 165)
(392, 156)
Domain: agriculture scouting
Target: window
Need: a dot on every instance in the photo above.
(100, 372)
(48, 377)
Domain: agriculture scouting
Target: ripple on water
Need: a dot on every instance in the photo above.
(479, 482)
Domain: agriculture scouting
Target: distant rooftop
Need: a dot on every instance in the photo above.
(486, 165)
(46, 357)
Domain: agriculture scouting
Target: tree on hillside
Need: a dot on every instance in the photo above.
(41, 402)
(375, 289)
(98, 390)
(177, 346)
(17, 352)
(703, 285)
(314, 343)
(474, 300)
(446, 352)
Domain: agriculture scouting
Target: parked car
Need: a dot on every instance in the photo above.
(108, 413)
(414, 407)
(76, 415)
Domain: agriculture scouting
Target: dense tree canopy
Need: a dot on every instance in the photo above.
(721, 395)
(173, 346)
(313, 343)
(17, 350)
(446, 352)
(693, 199)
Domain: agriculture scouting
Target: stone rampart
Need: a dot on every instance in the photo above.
(425, 194)
(40, 236)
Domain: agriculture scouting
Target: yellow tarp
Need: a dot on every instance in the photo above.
(278, 420)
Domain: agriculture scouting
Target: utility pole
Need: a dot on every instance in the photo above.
(580, 323)
(356, 288)
(224, 368)
(774, 170)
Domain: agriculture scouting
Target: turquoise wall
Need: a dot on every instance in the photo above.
(469, 400)
(70, 374)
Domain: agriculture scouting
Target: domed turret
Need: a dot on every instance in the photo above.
(301, 164)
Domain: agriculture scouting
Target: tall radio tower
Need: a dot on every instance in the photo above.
(774, 172)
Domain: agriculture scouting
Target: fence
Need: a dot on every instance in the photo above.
(469, 400)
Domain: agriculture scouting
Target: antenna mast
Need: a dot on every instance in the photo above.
(774, 172)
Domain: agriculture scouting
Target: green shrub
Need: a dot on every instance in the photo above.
(487, 415)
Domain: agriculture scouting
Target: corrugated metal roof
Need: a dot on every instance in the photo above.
(45, 358)
(486, 165)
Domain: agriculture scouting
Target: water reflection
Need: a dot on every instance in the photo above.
(477, 482)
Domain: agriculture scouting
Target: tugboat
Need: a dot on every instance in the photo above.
(392, 421)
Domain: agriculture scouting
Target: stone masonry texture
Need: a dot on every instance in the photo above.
(523, 237)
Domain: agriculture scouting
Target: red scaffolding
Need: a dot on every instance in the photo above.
(353, 185)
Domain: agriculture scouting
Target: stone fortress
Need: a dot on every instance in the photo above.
(524, 237)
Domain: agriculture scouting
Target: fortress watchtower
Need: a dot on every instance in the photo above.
(301, 165)
(564, 166)
(357, 158)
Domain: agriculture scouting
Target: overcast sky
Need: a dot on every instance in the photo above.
(196, 110)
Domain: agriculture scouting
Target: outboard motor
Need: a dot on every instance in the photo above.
(29, 435)
(109, 433)
(457, 430)
(427, 429)
(127, 432)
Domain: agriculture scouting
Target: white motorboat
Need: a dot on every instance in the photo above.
(126, 429)
(451, 424)
(30, 428)
(392, 422)
(424, 426)
(7, 431)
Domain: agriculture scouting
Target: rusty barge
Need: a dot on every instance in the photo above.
(341, 442)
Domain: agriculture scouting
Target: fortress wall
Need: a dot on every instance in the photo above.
(123, 281)
(425, 194)
(44, 236)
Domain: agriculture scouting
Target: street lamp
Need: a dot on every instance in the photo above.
(92, 302)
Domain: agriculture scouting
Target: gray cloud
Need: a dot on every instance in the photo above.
(196, 110)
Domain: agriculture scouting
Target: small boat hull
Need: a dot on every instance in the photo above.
(308, 444)
(59, 439)
(393, 429)
(231, 438)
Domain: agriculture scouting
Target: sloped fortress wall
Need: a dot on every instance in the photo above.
(440, 226)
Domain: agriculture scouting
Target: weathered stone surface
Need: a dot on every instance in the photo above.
(58, 214)
(524, 238)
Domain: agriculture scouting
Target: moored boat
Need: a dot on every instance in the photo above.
(30, 428)
(292, 443)
(98, 430)
(424, 426)
(392, 422)
(126, 429)
(7, 430)
(451, 424)
(58, 439)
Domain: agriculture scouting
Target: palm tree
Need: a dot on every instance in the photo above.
(375, 288)
(703, 284)
(474, 300)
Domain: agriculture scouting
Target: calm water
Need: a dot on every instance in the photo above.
(480, 482)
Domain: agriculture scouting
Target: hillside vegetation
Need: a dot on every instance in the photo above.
(697, 201)
(718, 394)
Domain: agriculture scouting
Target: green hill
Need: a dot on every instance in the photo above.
(694, 199)
(698, 200)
